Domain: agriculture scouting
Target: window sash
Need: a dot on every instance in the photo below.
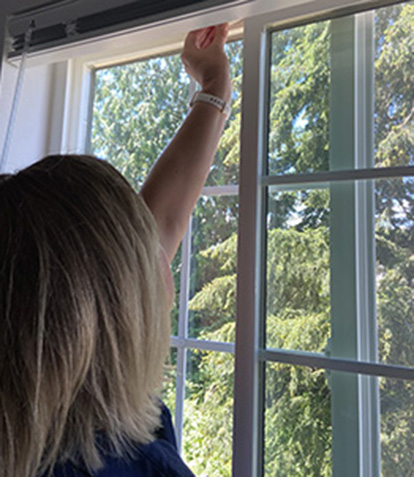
(352, 153)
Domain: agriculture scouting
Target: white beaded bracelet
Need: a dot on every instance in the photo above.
(218, 103)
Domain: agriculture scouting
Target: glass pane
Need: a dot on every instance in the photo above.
(225, 169)
(394, 96)
(394, 235)
(298, 429)
(298, 270)
(176, 271)
(169, 384)
(299, 99)
(208, 413)
(212, 306)
(397, 427)
(137, 108)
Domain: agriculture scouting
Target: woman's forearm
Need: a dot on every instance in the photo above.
(176, 181)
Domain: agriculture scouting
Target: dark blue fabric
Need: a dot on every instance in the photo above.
(157, 459)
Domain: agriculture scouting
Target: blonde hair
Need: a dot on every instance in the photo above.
(84, 327)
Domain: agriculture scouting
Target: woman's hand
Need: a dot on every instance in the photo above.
(204, 59)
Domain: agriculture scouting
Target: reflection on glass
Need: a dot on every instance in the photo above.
(212, 305)
(397, 427)
(137, 108)
(299, 99)
(394, 73)
(394, 235)
(298, 429)
(298, 270)
(225, 169)
(169, 384)
(208, 413)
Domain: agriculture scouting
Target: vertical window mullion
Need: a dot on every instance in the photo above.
(355, 403)
(369, 408)
(246, 448)
(344, 332)
(182, 335)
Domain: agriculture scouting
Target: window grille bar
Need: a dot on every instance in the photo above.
(312, 360)
(336, 176)
(231, 189)
(182, 333)
(205, 345)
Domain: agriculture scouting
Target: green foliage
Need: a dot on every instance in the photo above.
(297, 433)
(297, 271)
(394, 92)
(209, 413)
(137, 109)
(299, 100)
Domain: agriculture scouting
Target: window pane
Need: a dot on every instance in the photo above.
(225, 169)
(207, 434)
(298, 429)
(170, 379)
(298, 270)
(299, 99)
(176, 271)
(212, 306)
(136, 110)
(394, 233)
(394, 93)
(397, 427)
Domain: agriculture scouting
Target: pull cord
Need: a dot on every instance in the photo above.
(16, 97)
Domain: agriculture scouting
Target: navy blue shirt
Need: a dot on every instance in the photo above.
(157, 459)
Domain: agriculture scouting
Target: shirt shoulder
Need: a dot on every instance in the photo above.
(159, 458)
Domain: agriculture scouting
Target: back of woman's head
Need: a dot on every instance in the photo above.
(84, 325)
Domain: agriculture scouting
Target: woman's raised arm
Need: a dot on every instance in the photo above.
(176, 180)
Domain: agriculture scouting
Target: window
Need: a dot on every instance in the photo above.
(332, 184)
(315, 232)
(136, 109)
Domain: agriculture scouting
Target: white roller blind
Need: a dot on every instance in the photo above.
(75, 20)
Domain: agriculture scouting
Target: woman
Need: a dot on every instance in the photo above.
(85, 292)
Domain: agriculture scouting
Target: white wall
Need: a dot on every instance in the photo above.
(37, 127)
(29, 132)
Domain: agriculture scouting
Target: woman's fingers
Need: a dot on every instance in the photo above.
(208, 39)
(204, 37)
